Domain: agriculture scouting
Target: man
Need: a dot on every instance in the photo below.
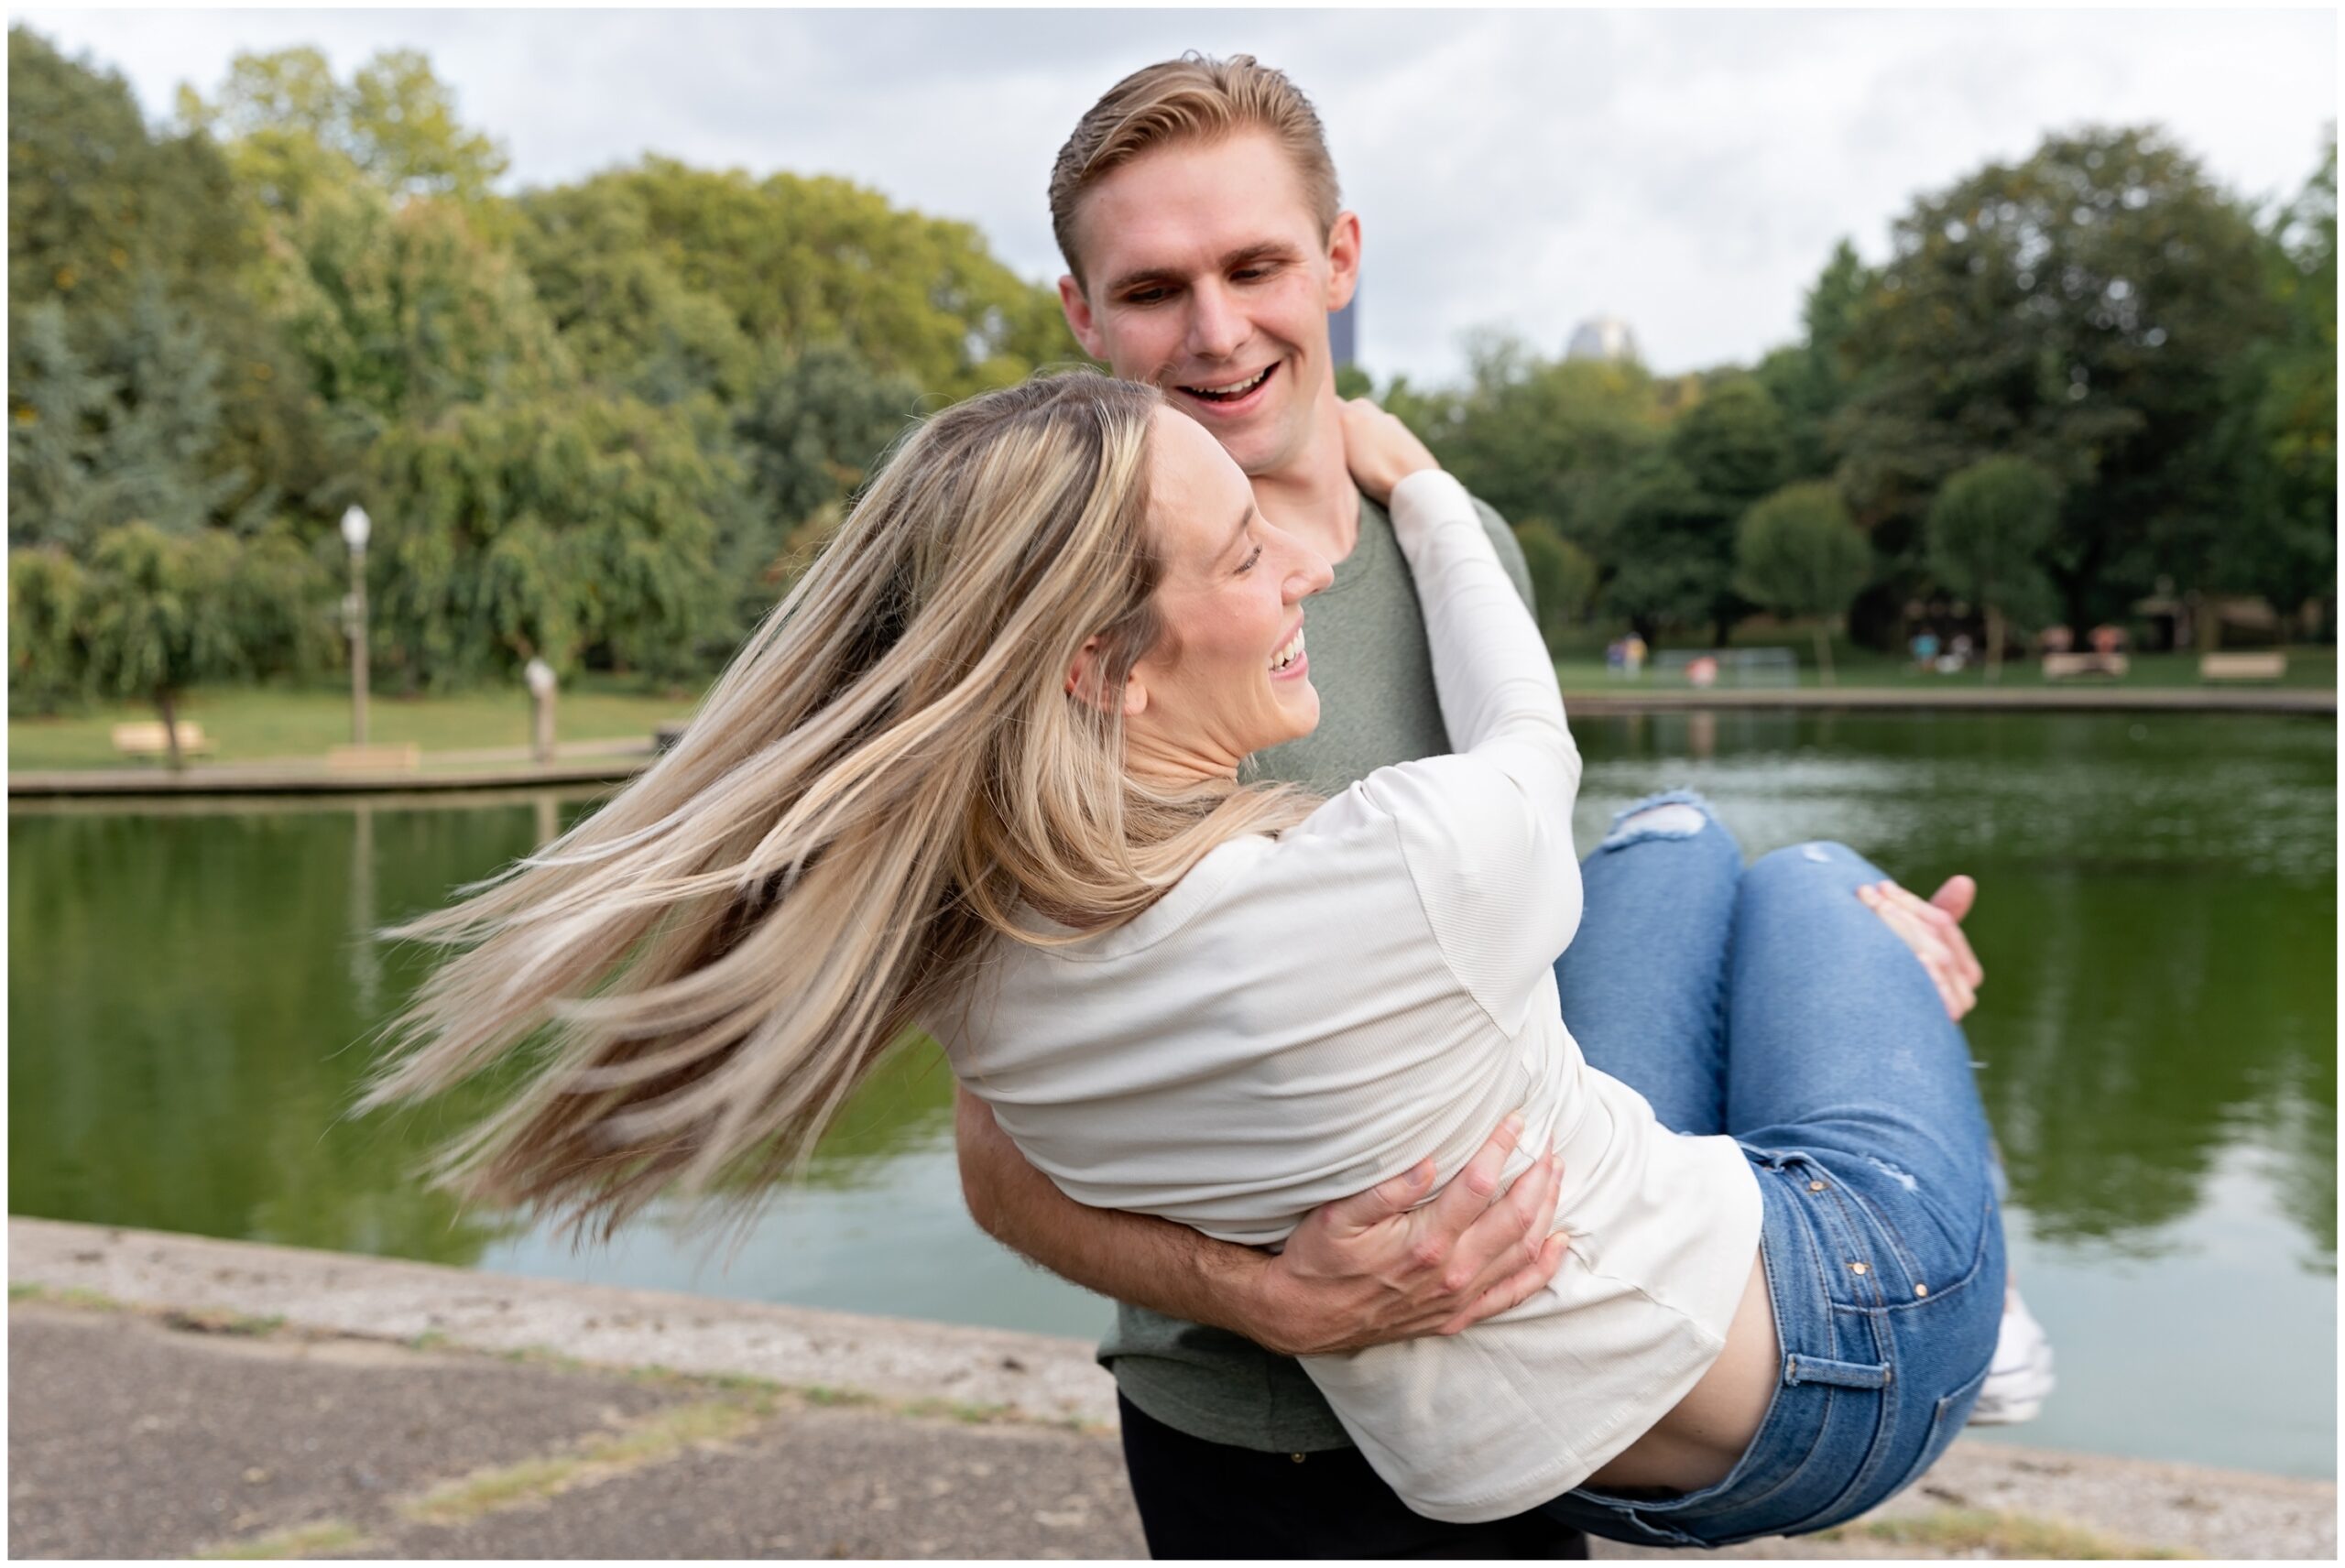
(1197, 209)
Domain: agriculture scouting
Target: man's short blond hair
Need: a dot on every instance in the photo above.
(1193, 98)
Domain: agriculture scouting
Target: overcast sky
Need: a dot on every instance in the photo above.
(1687, 171)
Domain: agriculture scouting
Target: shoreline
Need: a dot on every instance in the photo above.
(925, 1393)
(293, 778)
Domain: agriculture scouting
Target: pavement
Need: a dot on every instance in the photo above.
(172, 1396)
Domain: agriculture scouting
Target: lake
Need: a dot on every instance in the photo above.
(191, 986)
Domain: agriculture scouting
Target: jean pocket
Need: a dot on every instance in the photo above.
(1946, 1420)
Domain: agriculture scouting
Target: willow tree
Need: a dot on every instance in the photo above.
(548, 525)
(157, 613)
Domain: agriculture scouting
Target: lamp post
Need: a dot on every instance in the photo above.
(355, 527)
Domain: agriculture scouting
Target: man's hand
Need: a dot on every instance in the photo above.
(1933, 931)
(1369, 1269)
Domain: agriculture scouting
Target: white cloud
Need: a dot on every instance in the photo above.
(1688, 171)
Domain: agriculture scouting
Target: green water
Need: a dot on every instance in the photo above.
(2158, 922)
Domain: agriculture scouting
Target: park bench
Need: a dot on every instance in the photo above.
(2242, 665)
(1737, 666)
(374, 758)
(147, 738)
(2068, 666)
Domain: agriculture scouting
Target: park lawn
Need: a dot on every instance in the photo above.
(259, 724)
(255, 724)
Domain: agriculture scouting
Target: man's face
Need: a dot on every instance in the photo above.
(1207, 276)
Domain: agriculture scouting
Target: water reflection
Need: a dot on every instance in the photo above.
(191, 993)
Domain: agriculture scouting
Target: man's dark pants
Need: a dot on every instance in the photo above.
(1208, 1499)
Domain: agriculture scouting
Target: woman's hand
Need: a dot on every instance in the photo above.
(1379, 449)
(1933, 931)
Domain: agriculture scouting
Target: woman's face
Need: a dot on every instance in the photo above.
(1230, 676)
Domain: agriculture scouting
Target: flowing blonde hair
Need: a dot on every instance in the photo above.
(890, 771)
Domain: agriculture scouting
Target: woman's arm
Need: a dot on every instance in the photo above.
(1487, 832)
(1361, 1271)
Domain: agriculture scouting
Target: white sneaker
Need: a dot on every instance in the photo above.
(2019, 1376)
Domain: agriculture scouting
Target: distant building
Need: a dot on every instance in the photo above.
(1602, 337)
(1343, 331)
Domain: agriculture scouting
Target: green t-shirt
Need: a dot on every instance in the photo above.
(1373, 671)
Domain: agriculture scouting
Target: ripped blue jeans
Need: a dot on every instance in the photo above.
(1768, 1004)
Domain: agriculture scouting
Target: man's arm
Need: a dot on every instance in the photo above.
(1362, 1271)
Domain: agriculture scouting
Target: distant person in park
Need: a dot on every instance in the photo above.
(980, 775)
(1353, 1273)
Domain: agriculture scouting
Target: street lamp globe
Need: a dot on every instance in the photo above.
(355, 527)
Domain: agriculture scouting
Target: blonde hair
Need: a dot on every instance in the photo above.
(1193, 98)
(889, 773)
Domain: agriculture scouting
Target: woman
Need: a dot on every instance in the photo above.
(979, 773)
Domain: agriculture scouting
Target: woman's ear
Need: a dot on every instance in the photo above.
(1083, 677)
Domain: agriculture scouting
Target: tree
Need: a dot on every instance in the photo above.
(1988, 530)
(1671, 515)
(95, 202)
(394, 122)
(131, 246)
(621, 306)
(1797, 554)
(1670, 559)
(1539, 439)
(2078, 310)
(131, 431)
(2277, 536)
(160, 612)
(1810, 380)
(551, 526)
(1562, 577)
(45, 670)
(802, 261)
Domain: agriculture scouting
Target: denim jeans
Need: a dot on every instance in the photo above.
(1771, 1005)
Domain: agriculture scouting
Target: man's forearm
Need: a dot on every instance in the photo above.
(1148, 1262)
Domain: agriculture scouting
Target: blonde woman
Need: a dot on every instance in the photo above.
(979, 774)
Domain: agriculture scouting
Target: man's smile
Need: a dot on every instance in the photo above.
(1231, 394)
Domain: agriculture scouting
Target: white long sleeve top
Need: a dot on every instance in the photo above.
(1306, 1015)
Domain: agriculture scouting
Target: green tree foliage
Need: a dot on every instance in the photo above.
(160, 612)
(619, 302)
(2077, 308)
(1671, 537)
(1562, 578)
(807, 260)
(2277, 536)
(95, 202)
(45, 671)
(129, 435)
(1797, 554)
(135, 251)
(1810, 380)
(1540, 439)
(394, 122)
(1989, 529)
(548, 527)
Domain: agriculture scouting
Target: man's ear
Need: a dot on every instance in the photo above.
(1079, 319)
(1082, 676)
(1343, 260)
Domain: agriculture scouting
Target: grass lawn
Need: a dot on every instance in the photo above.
(266, 723)
(254, 723)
